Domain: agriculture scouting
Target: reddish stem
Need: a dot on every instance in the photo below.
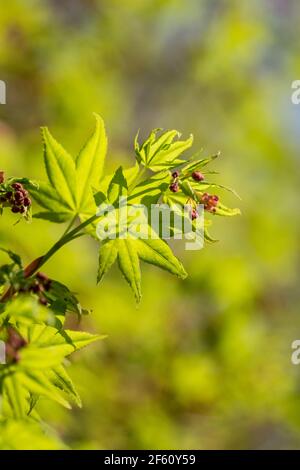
(28, 271)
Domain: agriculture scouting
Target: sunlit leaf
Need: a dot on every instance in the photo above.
(60, 169)
(90, 162)
(160, 153)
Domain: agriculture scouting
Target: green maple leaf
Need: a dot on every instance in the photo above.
(68, 192)
(39, 370)
(130, 250)
(163, 152)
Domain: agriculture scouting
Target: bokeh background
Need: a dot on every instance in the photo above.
(203, 363)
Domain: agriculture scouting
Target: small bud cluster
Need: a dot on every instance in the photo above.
(39, 285)
(14, 196)
(13, 345)
(210, 202)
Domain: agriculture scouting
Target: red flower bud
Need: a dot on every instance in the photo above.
(27, 202)
(205, 197)
(194, 214)
(174, 187)
(210, 202)
(197, 176)
(19, 197)
(17, 186)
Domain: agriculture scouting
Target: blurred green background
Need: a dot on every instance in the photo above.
(203, 363)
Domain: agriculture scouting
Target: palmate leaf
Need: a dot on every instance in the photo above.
(128, 252)
(48, 346)
(39, 369)
(162, 152)
(69, 190)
